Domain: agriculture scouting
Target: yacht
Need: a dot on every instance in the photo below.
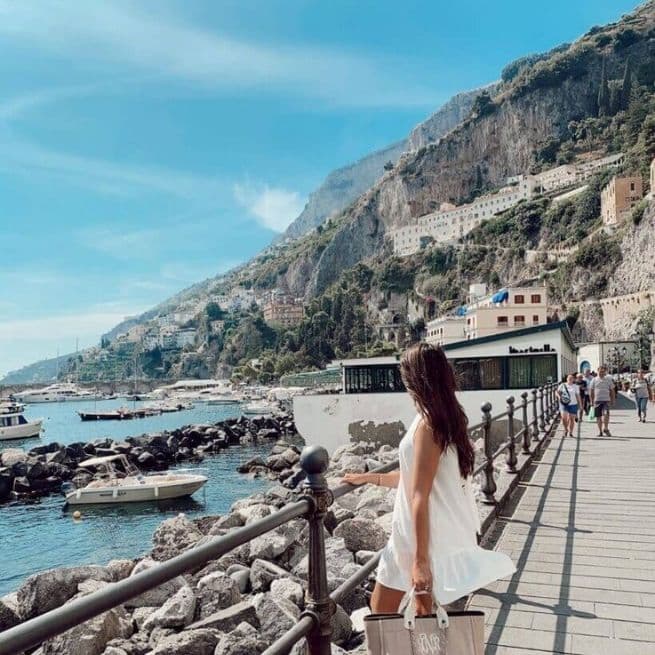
(110, 486)
(57, 393)
(13, 425)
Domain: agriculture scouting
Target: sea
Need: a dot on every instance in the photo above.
(43, 534)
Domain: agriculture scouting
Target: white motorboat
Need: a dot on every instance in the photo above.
(13, 425)
(258, 408)
(109, 487)
(57, 393)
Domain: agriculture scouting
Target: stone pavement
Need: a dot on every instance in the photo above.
(582, 537)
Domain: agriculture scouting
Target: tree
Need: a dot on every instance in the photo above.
(214, 311)
(388, 166)
(626, 85)
(104, 342)
(603, 93)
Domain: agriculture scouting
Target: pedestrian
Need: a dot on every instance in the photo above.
(643, 392)
(582, 388)
(568, 394)
(433, 546)
(603, 394)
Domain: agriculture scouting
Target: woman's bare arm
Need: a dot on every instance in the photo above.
(390, 480)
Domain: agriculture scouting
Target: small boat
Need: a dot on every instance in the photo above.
(221, 399)
(131, 486)
(13, 425)
(120, 414)
(258, 408)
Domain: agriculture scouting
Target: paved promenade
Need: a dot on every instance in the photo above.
(583, 540)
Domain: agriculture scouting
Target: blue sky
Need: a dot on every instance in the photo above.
(147, 145)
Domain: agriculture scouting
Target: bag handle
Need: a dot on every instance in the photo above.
(407, 608)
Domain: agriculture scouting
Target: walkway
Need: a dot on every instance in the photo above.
(583, 539)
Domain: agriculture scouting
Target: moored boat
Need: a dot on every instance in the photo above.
(13, 425)
(130, 485)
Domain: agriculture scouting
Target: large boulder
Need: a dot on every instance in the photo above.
(229, 618)
(120, 568)
(217, 591)
(262, 573)
(44, 591)
(251, 513)
(276, 615)
(376, 499)
(342, 626)
(361, 534)
(174, 536)
(11, 456)
(289, 589)
(159, 595)
(8, 612)
(243, 640)
(91, 637)
(176, 612)
(188, 642)
(272, 544)
(6, 482)
(337, 558)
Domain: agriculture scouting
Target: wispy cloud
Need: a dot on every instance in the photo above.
(121, 33)
(274, 208)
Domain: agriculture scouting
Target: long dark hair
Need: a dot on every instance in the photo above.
(431, 383)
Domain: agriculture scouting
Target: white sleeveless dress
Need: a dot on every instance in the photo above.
(459, 565)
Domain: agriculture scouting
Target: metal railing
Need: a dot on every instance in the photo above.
(313, 504)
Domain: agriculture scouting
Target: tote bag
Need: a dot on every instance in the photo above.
(442, 633)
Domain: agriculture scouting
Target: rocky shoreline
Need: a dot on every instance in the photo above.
(26, 475)
(240, 603)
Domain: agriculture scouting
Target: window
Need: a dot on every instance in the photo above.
(632, 186)
(519, 299)
(535, 319)
(535, 298)
(519, 320)
(373, 379)
(502, 321)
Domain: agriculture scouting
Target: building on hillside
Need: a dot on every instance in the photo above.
(217, 327)
(445, 329)
(186, 337)
(282, 309)
(619, 197)
(557, 178)
(150, 340)
(168, 338)
(183, 316)
(586, 169)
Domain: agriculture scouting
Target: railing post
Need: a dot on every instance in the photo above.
(542, 421)
(535, 426)
(510, 460)
(526, 428)
(488, 486)
(314, 462)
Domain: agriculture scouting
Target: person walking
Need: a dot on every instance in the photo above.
(582, 388)
(603, 394)
(568, 394)
(433, 546)
(643, 393)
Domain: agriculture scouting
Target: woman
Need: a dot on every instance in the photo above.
(433, 545)
(643, 393)
(568, 394)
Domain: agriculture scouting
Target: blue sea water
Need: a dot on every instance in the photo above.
(39, 536)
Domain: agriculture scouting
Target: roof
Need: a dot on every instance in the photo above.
(563, 326)
(95, 461)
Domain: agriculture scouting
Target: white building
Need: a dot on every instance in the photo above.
(558, 177)
(183, 316)
(150, 341)
(445, 329)
(185, 337)
(168, 338)
(618, 356)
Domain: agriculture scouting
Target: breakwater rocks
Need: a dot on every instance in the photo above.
(43, 469)
(238, 604)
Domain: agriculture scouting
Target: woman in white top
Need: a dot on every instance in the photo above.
(433, 541)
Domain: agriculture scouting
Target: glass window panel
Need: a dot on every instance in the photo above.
(544, 369)
(467, 372)
(491, 373)
(519, 372)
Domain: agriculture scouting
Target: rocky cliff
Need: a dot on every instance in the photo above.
(499, 138)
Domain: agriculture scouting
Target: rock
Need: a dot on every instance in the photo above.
(363, 556)
(8, 612)
(377, 499)
(176, 612)
(361, 534)
(158, 635)
(253, 513)
(147, 460)
(138, 644)
(114, 650)
(337, 557)
(385, 522)
(276, 615)
(241, 575)
(217, 591)
(342, 626)
(174, 536)
(45, 591)
(229, 618)
(290, 589)
(22, 484)
(232, 520)
(11, 456)
(337, 515)
(243, 640)
(159, 595)
(91, 637)
(140, 614)
(6, 482)
(351, 464)
(355, 600)
(120, 568)
(272, 544)
(188, 642)
(262, 573)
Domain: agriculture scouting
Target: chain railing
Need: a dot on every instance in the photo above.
(313, 503)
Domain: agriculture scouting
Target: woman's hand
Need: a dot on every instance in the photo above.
(356, 478)
(422, 582)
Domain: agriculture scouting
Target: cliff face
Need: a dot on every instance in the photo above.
(345, 185)
(500, 139)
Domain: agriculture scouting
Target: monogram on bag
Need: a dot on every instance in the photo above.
(442, 633)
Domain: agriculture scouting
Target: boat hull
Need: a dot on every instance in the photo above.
(135, 494)
(29, 430)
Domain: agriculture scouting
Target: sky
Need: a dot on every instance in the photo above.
(145, 146)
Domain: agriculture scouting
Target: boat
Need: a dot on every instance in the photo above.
(11, 407)
(57, 393)
(130, 485)
(222, 399)
(121, 414)
(13, 425)
(258, 408)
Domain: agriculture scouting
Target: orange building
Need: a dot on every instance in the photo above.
(619, 197)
